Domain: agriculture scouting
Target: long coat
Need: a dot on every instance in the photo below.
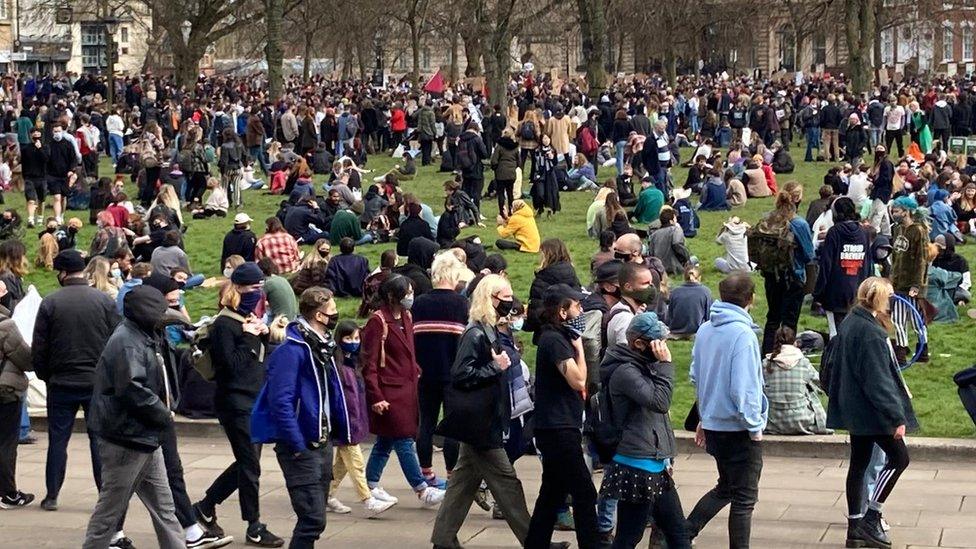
(391, 373)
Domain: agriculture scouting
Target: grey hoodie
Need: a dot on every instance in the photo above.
(733, 237)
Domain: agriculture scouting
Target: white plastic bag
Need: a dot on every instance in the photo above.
(26, 312)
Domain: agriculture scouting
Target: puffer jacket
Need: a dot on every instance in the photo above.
(505, 159)
(640, 393)
(16, 359)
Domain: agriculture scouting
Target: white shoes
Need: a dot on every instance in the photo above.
(333, 505)
(374, 506)
(381, 495)
(431, 497)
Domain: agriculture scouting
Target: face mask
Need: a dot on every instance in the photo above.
(116, 273)
(249, 301)
(350, 347)
(332, 322)
(576, 326)
(622, 256)
(503, 308)
(643, 295)
(614, 292)
(227, 272)
(897, 218)
(58, 136)
(516, 325)
(407, 302)
(51, 230)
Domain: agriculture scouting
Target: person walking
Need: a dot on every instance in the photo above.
(390, 372)
(726, 370)
(80, 318)
(868, 398)
(130, 411)
(909, 273)
(640, 378)
(477, 414)
(301, 407)
(237, 352)
(844, 262)
(15, 355)
(560, 380)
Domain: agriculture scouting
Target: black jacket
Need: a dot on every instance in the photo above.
(238, 242)
(78, 318)
(830, 117)
(640, 396)
(299, 217)
(476, 146)
(883, 183)
(130, 402)
(505, 159)
(61, 158)
(867, 394)
(411, 227)
(33, 161)
(557, 273)
(845, 261)
(237, 359)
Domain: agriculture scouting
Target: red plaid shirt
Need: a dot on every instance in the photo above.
(281, 248)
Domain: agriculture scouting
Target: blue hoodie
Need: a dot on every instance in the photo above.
(726, 370)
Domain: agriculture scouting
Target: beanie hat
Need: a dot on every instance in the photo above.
(648, 326)
(247, 273)
(69, 261)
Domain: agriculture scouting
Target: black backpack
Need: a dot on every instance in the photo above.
(827, 360)
(603, 428)
(466, 156)
(527, 131)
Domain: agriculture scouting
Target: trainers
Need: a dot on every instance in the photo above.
(209, 540)
(15, 500)
(49, 504)
(208, 519)
(432, 480)
(29, 439)
(333, 505)
(259, 536)
(496, 513)
(431, 497)
(122, 543)
(481, 497)
(380, 494)
(374, 506)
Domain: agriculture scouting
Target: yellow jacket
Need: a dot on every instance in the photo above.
(521, 224)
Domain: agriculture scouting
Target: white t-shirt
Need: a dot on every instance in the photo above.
(894, 117)
(857, 187)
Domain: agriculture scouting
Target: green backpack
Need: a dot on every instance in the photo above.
(201, 345)
(771, 246)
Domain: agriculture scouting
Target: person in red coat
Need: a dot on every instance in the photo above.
(398, 123)
(391, 375)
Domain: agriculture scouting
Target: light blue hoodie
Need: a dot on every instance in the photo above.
(726, 370)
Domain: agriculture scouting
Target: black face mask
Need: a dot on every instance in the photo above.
(332, 322)
(504, 308)
(622, 256)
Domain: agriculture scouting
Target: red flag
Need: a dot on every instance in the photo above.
(435, 84)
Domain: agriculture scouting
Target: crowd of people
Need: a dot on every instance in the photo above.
(276, 365)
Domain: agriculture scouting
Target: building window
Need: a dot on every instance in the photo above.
(820, 49)
(947, 37)
(888, 47)
(425, 58)
(4, 10)
(124, 35)
(403, 62)
(967, 43)
(125, 50)
(787, 49)
(93, 48)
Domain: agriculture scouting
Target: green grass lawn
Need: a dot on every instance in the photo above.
(935, 399)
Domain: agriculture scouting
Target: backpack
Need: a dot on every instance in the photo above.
(603, 428)
(200, 345)
(827, 364)
(588, 143)
(466, 156)
(771, 246)
(527, 131)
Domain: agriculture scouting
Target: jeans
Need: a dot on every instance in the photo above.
(668, 517)
(877, 463)
(784, 294)
(739, 461)
(862, 451)
(874, 136)
(619, 150)
(406, 451)
(431, 397)
(24, 420)
(425, 148)
(307, 476)
(606, 513)
(473, 466)
(813, 142)
(115, 145)
(474, 186)
(257, 153)
(311, 235)
(144, 474)
(9, 418)
(564, 473)
(62, 406)
(693, 125)
(244, 474)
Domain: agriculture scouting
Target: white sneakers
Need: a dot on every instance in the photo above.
(333, 505)
(431, 497)
(380, 494)
(374, 506)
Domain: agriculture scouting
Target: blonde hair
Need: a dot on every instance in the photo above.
(445, 268)
(167, 196)
(97, 275)
(482, 310)
(230, 297)
(518, 204)
(874, 294)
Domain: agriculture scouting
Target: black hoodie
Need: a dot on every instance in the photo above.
(845, 261)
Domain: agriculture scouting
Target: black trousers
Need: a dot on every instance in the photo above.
(564, 473)
(242, 475)
(426, 145)
(196, 186)
(474, 187)
(507, 245)
(739, 462)
(9, 438)
(307, 477)
(895, 136)
(431, 399)
(784, 294)
(668, 517)
(861, 449)
(174, 474)
(505, 191)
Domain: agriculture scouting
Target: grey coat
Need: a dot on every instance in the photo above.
(640, 396)
(15, 355)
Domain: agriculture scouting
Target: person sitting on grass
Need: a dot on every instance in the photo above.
(521, 226)
(792, 387)
(346, 272)
(217, 202)
(714, 192)
(649, 203)
(689, 304)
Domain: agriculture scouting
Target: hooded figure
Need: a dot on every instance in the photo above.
(791, 384)
(419, 258)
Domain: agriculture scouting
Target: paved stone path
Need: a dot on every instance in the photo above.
(801, 504)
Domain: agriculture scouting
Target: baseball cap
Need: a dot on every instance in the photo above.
(558, 292)
(242, 218)
(607, 272)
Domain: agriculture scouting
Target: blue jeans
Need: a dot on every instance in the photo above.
(875, 136)
(311, 235)
(606, 514)
(257, 153)
(620, 156)
(406, 451)
(193, 281)
(24, 420)
(62, 405)
(813, 142)
(693, 125)
(115, 145)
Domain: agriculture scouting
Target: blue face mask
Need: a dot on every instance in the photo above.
(516, 325)
(249, 302)
(350, 347)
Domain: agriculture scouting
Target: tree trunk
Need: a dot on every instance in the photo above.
(859, 28)
(186, 63)
(307, 57)
(472, 53)
(415, 54)
(621, 41)
(670, 65)
(593, 30)
(798, 44)
(361, 60)
(454, 71)
(273, 52)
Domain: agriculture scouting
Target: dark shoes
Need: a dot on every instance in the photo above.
(16, 500)
(49, 504)
(259, 536)
(208, 518)
(901, 355)
(869, 532)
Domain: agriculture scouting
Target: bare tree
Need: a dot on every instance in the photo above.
(414, 14)
(593, 27)
(859, 30)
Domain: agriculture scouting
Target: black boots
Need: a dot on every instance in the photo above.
(901, 355)
(854, 540)
(868, 532)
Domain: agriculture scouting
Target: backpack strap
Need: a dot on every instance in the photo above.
(386, 331)
(231, 314)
